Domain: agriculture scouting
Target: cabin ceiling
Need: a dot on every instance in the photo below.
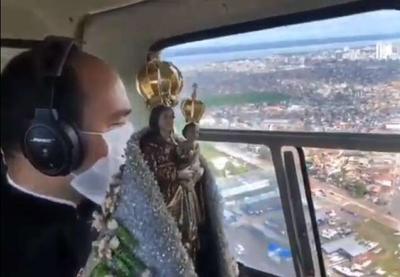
(34, 19)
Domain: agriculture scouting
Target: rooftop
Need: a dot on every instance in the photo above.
(348, 244)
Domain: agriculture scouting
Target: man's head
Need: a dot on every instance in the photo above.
(191, 132)
(89, 96)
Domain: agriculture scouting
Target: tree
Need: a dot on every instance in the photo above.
(359, 189)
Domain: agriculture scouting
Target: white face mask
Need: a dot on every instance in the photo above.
(95, 181)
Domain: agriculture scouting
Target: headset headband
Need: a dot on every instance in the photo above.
(52, 55)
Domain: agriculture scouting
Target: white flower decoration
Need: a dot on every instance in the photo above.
(104, 250)
(98, 221)
(114, 243)
(112, 224)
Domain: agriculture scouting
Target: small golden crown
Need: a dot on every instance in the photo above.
(159, 83)
(193, 109)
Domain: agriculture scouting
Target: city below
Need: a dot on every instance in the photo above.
(356, 194)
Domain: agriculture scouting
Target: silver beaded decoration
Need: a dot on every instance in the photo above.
(142, 210)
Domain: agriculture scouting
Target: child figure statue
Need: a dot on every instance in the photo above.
(190, 172)
(188, 149)
(189, 155)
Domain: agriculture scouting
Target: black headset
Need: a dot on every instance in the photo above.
(50, 144)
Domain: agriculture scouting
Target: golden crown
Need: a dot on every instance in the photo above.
(159, 83)
(193, 109)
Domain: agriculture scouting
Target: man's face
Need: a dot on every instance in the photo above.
(105, 106)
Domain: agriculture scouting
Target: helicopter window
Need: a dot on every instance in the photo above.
(8, 53)
(253, 217)
(320, 101)
(331, 194)
(331, 75)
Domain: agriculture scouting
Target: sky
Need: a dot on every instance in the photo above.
(371, 23)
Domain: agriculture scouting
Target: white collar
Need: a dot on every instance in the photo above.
(49, 198)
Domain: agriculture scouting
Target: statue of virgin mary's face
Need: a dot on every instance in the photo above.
(166, 120)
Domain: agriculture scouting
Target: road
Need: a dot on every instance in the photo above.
(359, 206)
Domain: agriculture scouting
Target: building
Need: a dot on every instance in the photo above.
(383, 50)
(253, 186)
(242, 190)
(350, 248)
(352, 54)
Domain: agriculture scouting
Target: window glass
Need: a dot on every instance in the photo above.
(356, 195)
(334, 75)
(7, 54)
(253, 216)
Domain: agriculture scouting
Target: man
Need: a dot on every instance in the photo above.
(45, 219)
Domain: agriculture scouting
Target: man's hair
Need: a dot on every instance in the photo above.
(187, 127)
(20, 89)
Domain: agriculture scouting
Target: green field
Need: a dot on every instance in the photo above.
(246, 98)
(374, 231)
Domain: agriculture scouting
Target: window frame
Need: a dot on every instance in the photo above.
(346, 9)
(19, 43)
(285, 170)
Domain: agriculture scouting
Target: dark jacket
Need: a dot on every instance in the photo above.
(40, 237)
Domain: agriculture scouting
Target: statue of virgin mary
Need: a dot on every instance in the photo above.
(172, 232)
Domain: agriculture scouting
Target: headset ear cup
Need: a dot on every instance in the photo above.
(75, 150)
(46, 148)
(52, 147)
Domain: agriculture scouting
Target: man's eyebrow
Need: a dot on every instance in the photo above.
(121, 113)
